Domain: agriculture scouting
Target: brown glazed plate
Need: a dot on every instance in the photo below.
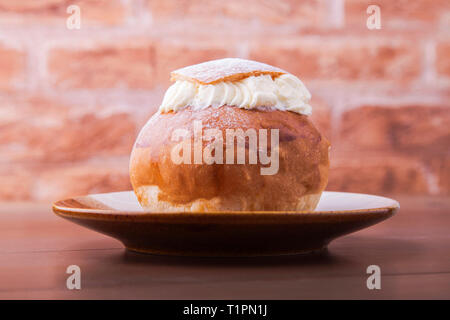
(235, 233)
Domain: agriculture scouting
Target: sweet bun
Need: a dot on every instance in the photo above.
(293, 180)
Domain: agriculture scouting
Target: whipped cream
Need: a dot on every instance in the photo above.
(285, 92)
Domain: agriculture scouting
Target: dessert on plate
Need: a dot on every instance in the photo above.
(231, 135)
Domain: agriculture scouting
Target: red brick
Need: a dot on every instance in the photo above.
(12, 65)
(93, 12)
(170, 57)
(440, 167)
(397, 14)
(443, 59)
(416, 130)
(343, 59)
(321, 116)
(42, 130)
(81, 179)
(15, 184)
(235, 12)
(111, 66)
(376, 175)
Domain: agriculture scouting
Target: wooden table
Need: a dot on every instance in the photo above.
(412, 250)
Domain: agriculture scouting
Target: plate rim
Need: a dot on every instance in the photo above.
(108, 214)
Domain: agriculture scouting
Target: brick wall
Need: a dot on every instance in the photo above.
(72, 101)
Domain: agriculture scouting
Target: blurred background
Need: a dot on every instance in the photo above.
(73, 100)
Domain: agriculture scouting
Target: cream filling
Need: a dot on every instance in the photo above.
(286, 92)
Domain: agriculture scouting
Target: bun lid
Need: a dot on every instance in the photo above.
(228, 69)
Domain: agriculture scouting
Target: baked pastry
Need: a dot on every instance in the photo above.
(231, 134)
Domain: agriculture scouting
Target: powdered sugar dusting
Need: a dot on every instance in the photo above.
(228, 69)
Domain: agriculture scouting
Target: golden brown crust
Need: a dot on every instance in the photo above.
(229, 69)
(303, 163)
(149, 198)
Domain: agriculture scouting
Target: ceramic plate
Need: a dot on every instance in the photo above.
(235, 233)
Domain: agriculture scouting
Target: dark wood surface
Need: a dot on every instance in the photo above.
(412, 249)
